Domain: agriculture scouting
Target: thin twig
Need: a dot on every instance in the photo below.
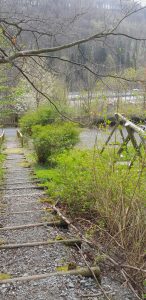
(98, 284)
(129, 284)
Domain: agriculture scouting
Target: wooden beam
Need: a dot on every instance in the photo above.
(86, 272)
(109, 137)
(25, 195)
(60, 223)
(126, 122)
(69, 242)
(33, 187)
(133, 140)
(23, 226)
(134, 157)
(124, 144)
(24, 212)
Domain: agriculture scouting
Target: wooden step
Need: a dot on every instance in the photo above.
(67, 242)
(86, 272)
(60, 223)
(33, 187)
(24, 195)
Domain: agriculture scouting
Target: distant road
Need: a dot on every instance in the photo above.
(130, 97)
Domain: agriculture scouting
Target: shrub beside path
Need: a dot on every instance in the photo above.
(24, 219)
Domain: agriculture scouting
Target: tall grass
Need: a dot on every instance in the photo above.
(94, 188)
(99, 191)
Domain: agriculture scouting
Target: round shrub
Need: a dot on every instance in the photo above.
(53, 139)
(42, 116)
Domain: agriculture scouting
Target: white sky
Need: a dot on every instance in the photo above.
(143, 2)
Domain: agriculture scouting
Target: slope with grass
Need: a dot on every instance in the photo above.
(104, 197)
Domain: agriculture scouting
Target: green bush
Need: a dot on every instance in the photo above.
(53, 139)
(42, 116)
(106, 196)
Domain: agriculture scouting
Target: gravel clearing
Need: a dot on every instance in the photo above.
(41, 259)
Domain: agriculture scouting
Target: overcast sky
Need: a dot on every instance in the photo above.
(143, 2)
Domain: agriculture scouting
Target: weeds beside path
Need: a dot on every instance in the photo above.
(105, 198)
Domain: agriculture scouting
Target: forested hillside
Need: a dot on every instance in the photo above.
(40, 24)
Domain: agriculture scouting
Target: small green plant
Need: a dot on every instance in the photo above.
(4, 276)
(53, 139)
(111, 197)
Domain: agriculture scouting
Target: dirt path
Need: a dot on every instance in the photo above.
(21, 206)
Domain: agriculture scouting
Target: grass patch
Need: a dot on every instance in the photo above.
(107, 196)
(4, 276)
(69, 266)
(98, 190)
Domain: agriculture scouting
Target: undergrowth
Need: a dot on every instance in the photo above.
(106, 195)
(99, 191)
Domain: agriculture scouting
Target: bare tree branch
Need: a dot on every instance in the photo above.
(98, 75)
(96, 36)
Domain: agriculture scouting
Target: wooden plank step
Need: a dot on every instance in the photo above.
(86, 272)
(28, 202)
(14, 159)
(17, 168)
(20, 182)
(67, 242)
(24, 212)
(24, 195)
(17, 171)
(20, 178)
(60, 223)
(22, 188)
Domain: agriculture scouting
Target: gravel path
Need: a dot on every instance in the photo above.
(21, 206)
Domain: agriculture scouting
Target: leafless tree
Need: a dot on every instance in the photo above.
(27, 34)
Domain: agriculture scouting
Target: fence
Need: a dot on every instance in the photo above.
(131, 130)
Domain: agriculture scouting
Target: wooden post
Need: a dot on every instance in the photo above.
(108, 139)
(132, 138)
(124, 144)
